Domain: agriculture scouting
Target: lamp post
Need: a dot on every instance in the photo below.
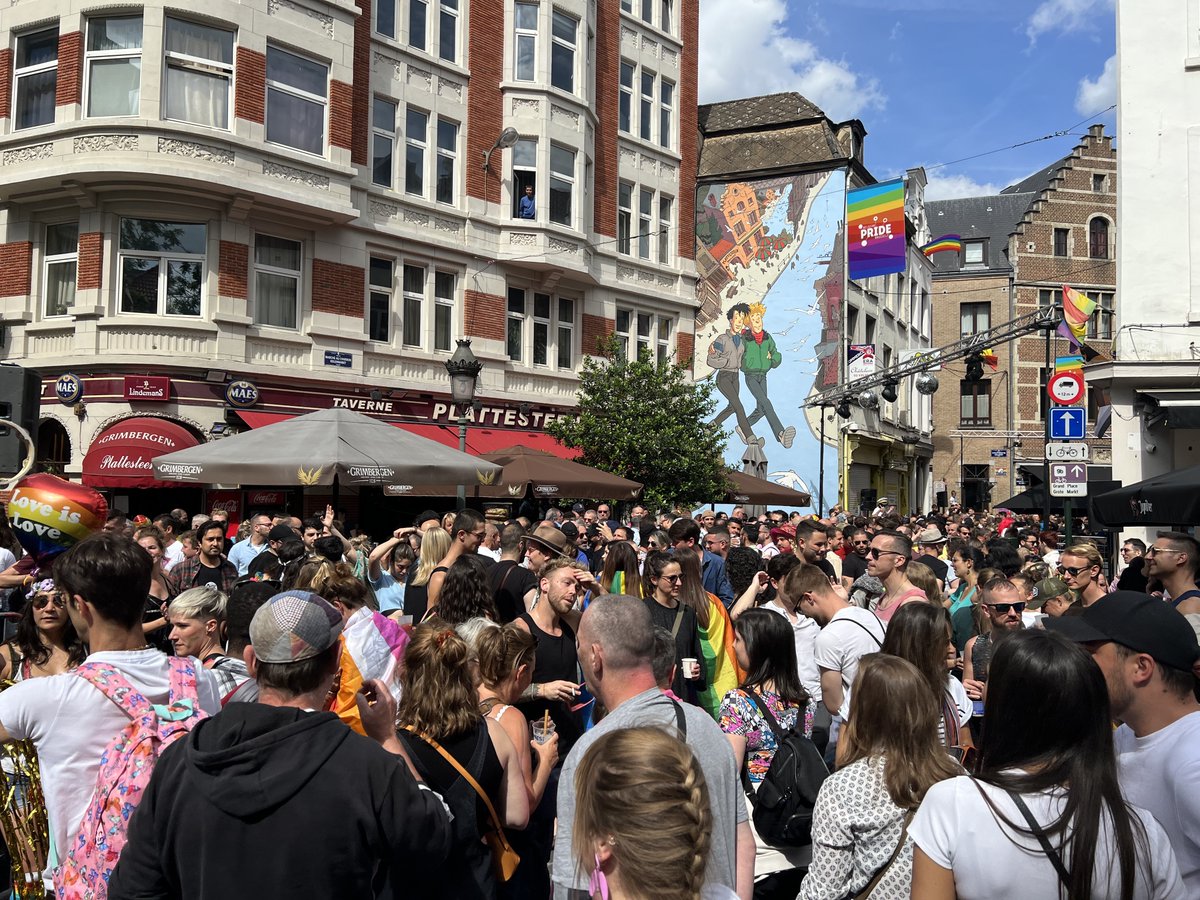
(464, 371)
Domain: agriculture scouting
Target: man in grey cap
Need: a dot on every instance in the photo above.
(932, 541)
(278, 799)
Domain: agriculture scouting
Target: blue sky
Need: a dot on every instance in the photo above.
(932, 80)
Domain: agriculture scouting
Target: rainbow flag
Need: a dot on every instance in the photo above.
(988, 355)
(1068, 364)
(372, 647)
(1077, 309)
(720, 664)
(942, 244)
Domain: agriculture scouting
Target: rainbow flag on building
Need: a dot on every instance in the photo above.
(1077, 309)
(720, 664)
(942, 244)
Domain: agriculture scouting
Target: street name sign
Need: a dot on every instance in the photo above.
(1056, 452)
(1067, 423)
(1068, 480)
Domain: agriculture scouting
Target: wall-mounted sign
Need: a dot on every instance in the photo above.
(1000, 454)
(241, 393)
(339, 359)
(68, 389)
(154, 388)
(860, 361)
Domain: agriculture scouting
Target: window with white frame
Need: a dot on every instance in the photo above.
(448, 30)
(385, 18)
(625, 218)
(379, 300)
(277, 273)
(524, 175)
(625, 106)
(383, 140)
(1100, 324)
(562, 184)
(447, 156)
(162, 267)
(416, 140)
(35, 78)
(62, 258)
(666, 111)
(667, 18)
(648, 11)
(666, 208)
(525, 34)
(114, 66)
(297, 91)
(644, 332)
(646, 119)
(564, 40)
(645, 222)
(198, 73)
(540, 328)
(418, 17)
(443, 310)
(627, 6)
(413, 288)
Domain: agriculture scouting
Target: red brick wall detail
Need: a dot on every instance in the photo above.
(361, 91)
(341, 114)
(250, 91)
(6, 76)
(685, 345)
(68, 88)
(485, 103)
(91, 261)
(688, 131)
(608, 76)
(338, 288)
(16, 269)
(232, 267)
(483, 315)
(596, 329)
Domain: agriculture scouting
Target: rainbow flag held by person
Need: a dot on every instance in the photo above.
(1077, 309)
(1068, 364)
(988, 355)
(372, 647)
(944, 243)
(721, 670)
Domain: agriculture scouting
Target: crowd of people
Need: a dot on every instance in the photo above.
(608, 703)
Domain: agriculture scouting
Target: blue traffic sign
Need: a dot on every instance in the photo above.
(1068, 423)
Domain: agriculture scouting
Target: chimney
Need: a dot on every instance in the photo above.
(1096, 131)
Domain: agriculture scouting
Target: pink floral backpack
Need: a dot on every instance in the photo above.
(125, 769)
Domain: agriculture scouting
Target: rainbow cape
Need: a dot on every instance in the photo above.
(945, 242)
(372, 647)
(721, 670)
(1077, 309)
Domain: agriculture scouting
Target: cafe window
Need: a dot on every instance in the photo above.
(161, 267)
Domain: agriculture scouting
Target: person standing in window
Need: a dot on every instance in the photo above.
(527, 206)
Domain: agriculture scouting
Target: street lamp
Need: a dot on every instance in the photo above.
(464, 371)
(506, 139)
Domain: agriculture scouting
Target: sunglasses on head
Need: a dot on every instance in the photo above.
(1005, 608)
(43, 601)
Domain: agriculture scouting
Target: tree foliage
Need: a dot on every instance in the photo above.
(649, 422)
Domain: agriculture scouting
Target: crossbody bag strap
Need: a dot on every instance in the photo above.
(883, 870)
(678, 621)
(772, 722)
(1040, 834)
(866, 629)
(487, 801)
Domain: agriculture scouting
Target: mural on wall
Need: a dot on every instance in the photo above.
(769, 254)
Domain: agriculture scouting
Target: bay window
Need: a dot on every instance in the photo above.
(197, 74)
(62, 257)
(162, 267)
(297, 93)
(36, 78)
(562, 184)
(114, 66)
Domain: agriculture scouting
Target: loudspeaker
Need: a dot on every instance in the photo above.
(20, 402)
(867, 498)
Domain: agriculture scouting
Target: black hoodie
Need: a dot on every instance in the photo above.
(274, 802)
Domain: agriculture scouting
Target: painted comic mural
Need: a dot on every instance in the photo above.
(769, 254)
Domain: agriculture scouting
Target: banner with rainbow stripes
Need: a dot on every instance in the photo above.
(875, 238)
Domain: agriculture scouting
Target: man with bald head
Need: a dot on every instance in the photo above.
(615, 640)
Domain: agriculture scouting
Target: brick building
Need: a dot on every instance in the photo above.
(1020, 247)
(314, 197)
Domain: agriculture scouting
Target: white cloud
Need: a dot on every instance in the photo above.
(1096, 96)
(1065, 16)
(736, 36)
(951, 187)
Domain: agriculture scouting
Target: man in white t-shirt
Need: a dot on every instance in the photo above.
(106, 579)
(848, 632)
(1149, 655)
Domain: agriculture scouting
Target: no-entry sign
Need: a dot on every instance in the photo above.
(1065, 388)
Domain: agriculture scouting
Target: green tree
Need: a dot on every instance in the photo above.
(647, 421)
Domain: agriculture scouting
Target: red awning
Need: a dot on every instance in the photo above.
(479, 440)
(120, 456)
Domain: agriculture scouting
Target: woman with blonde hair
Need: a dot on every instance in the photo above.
(888, 757)
(440, 721)
(643, 825)
(922, 577)
(435, 544)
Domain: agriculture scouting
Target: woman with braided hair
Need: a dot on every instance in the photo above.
(643, 824)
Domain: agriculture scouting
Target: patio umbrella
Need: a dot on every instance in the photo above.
(748, 489)
(549, 476)
(331, 446)
(1172, 498)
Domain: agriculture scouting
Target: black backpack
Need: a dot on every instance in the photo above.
(783, 805)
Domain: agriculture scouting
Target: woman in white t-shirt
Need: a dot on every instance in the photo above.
(1045, 817)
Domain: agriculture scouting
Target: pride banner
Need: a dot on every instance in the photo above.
(875, 229)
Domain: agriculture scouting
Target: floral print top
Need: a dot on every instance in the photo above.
(739, 715)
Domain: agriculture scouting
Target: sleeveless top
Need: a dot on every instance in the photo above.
(467, 873)
(981, 656)
(416, 596)
(556, 660)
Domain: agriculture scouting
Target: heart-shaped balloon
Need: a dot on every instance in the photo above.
(50, 515)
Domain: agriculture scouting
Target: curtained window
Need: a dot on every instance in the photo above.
(198, 73)
(276, 281)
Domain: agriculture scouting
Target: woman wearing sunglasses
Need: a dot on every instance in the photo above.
(46, 642)
(663, 582)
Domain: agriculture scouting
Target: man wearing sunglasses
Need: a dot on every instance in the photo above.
(1080, 567)
(1173, 561)
(1003, 605)
(854, 565)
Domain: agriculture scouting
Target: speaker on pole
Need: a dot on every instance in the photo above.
(20, 402)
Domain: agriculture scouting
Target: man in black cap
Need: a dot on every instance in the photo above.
(1149, 655)
(276, 538)
(276, 800)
